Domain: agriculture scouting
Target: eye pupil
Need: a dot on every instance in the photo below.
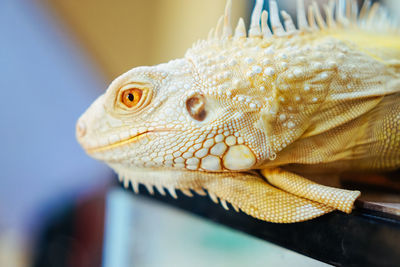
(131, 97)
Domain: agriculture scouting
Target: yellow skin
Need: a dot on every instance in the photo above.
(326, 97)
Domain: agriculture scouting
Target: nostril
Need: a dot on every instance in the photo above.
(80, 128)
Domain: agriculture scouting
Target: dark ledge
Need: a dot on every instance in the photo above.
(363, 238)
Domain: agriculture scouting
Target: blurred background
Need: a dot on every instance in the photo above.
(58, 207)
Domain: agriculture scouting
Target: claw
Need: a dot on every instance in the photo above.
(126, 182)
(235, 208)
(135, 187)
(200, 192)
(149, 188)
(186, 192)
(213, 197)
(223, 203)
(172, 192)
(160, 189)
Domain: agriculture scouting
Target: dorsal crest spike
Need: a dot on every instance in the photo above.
(372, 12)
(218, 29)
(341, 12)
(329, 11)
(301, 15)
(210, 34)
(348, 8)
(353, 10)
(264, 25)
(240, 31)
(287, 20)
(276, 24)
(318, 16)
(255, 30)
(227, 30)
(311, 18)
(364, 9)
(337, 9)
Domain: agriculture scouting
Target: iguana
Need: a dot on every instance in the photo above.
(240, 116)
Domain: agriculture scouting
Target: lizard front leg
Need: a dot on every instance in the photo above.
(340, 199)
(245, 191)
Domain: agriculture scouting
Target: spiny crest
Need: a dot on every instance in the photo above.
(338, 13)
(265, 50)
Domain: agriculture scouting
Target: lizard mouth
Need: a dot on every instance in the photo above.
(119, 143)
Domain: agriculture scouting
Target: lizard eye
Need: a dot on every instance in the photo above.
(131, 97)
(195, 105)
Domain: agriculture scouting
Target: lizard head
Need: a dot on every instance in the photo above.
(165, 116)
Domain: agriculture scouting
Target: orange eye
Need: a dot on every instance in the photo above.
(131, 97)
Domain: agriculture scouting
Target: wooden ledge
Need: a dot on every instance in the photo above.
(369, 236)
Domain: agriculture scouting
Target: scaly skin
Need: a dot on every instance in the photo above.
(326, 97)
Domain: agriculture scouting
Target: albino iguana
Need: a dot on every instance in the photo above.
(325, 95)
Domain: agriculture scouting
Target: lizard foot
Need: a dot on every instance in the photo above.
(340, 199)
